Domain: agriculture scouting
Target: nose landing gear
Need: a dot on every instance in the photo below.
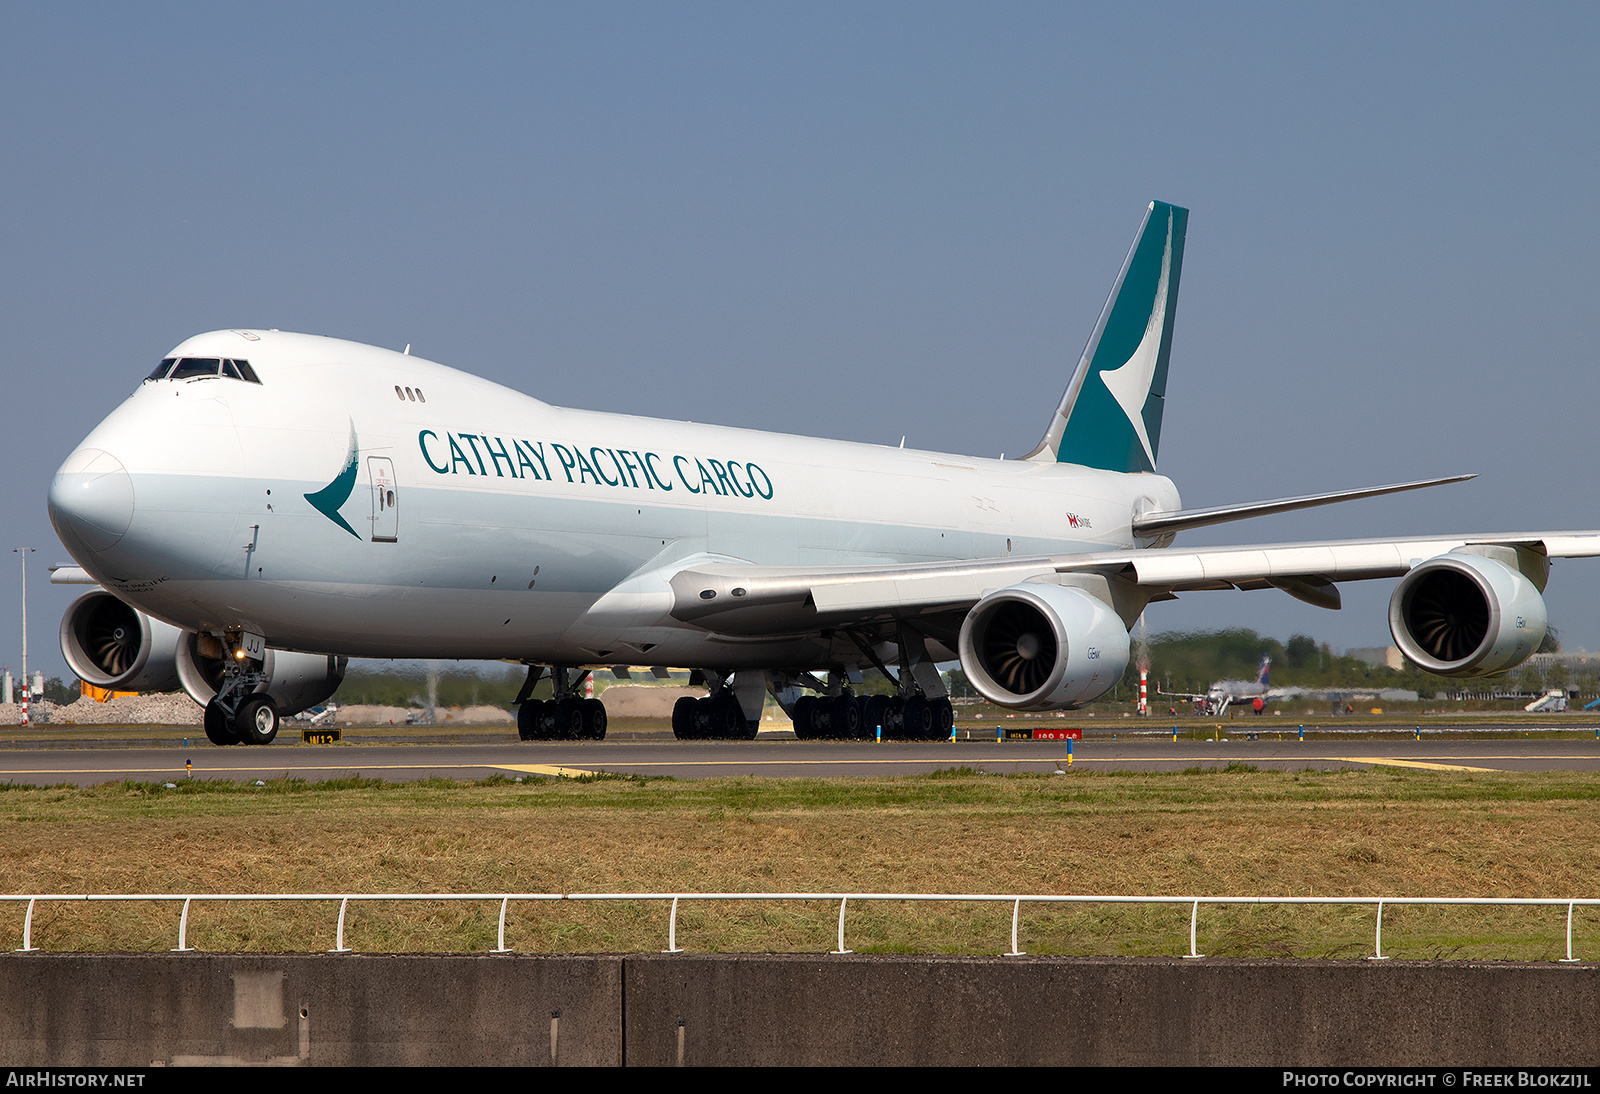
(237, 717)
(241, 713)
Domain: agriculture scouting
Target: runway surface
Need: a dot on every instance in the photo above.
(106, 760)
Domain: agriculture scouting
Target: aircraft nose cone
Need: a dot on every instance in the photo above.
(91, 499)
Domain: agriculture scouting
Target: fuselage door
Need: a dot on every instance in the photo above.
(385, 500)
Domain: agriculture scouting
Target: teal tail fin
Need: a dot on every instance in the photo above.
(1110, 416)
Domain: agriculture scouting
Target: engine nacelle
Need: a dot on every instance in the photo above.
(110, 645)
(1466, 615)
(294, 681)
(1037, 646)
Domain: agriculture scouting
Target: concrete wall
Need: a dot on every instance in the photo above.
(144, 1009)
(138, 1010)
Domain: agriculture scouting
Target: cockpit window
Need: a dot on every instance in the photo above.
(193, 368)
(190, 367)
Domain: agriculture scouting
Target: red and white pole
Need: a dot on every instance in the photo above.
(1144, 693)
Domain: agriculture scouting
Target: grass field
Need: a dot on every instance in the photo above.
(1389, 832)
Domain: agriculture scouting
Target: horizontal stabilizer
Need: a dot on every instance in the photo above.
(1163, 524)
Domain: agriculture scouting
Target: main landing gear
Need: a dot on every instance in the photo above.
(714, 718)
(921, 711)
(567, 717)
(858, 718)
(721, 716)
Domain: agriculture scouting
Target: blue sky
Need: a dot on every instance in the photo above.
(853, 220)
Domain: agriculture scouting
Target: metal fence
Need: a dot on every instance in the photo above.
(844, 901)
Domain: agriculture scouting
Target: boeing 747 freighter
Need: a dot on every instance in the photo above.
(266, 505)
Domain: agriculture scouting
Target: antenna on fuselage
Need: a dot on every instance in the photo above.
(407, 351)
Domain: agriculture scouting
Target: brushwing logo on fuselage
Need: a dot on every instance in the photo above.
(328, 500)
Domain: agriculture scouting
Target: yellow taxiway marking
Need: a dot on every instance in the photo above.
(351, 768)
(1384, 761)
(969, 761)
(545, 769)
(966, 759)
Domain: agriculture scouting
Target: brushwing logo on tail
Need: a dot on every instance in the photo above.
(1130, 384)
(328, 500)
(1111, 415)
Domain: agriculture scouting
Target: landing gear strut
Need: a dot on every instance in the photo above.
(920, 711)
(238, 714)
(719, 716)
(567, 717)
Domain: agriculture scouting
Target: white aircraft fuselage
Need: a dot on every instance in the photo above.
(483, 523)
(267, 504)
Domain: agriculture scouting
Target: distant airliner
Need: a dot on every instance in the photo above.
(1224, 693)
(266, 505)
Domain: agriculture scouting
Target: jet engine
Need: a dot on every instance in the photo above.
(1461, 614)
(110, 645)
(293, 681)
(1037, 646)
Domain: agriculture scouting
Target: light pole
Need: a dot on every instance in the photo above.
(26, 686)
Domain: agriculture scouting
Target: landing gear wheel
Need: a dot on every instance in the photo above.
(594, 720)
(946, 716)
(725, 717)
(569, 720)
(845, 716)
(735, 726)
(219, 727)
(804, 725)
(920, 720)
(875, 716)
(683, 720)
(528, 717)
(256, 720)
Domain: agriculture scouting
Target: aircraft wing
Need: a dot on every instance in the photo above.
(735, 598)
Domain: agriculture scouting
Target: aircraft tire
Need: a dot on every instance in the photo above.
(727, 717)
(528, 719)
(219, 728)
(256, 720)
(804, 724)
(894, 720)
(875, 715)
(570, 720)
(946, 712)
(594, 720)
(919, 720)
(846, 718)
(683, 720)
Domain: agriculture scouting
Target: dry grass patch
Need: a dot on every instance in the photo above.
(1386, 832)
